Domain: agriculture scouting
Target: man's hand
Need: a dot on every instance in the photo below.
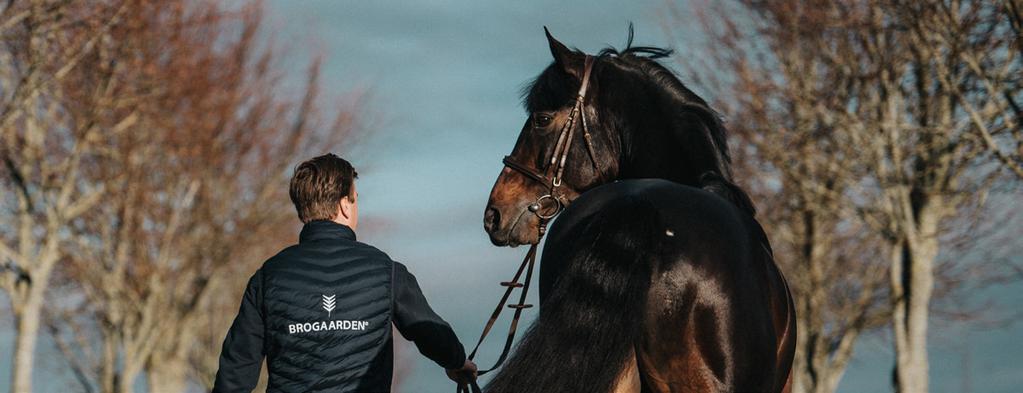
(464, 375)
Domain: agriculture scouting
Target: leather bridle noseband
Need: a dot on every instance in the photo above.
(550, 178)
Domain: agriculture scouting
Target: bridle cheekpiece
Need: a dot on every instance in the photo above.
(551, 177)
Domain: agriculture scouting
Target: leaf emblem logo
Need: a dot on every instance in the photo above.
(328, 303)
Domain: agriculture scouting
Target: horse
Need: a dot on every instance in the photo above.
(656, 277)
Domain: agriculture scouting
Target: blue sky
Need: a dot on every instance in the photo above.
(444, 78)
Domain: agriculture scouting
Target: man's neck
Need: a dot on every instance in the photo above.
(344, 221)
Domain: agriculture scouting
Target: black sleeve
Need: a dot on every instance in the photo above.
(417, 322)
(242, 355)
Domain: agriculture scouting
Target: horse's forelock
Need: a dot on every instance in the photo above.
(551, 89)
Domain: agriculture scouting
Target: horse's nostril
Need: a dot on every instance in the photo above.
(491, 219)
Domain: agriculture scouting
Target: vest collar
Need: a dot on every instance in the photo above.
(324, 229)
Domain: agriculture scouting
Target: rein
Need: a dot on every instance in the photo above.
(527, 265)
(557, 162)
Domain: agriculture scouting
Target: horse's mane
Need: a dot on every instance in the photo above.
(554, 88)
(643, 59)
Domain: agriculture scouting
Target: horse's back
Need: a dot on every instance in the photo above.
(699, 226)
(711, 318)
(677, 202)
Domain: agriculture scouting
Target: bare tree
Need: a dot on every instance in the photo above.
(48, 137)
(151, 179)
(786, 150)
(924, 145)
(866, 115)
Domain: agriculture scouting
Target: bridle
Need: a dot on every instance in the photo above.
(551, 178)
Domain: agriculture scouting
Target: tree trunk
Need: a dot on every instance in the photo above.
(802, 379)
(108, 368)
(817, 369)
(126, 382)
(167, 371)
(168, 376)
(912, 282)
(25, 341)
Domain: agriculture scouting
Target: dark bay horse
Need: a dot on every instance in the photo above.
(666, 284)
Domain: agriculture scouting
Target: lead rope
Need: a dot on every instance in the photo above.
(527, 264)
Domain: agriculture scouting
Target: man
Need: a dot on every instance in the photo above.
(321, 311)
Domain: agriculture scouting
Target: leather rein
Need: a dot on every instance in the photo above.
(550, 178)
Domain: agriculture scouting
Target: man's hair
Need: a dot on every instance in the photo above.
(319, 185)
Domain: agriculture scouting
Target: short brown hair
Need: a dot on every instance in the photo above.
(318, 186)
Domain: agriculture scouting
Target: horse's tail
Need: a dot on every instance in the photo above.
(590, 322)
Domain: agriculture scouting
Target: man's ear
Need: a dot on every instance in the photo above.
(346, 208)
(568, 60)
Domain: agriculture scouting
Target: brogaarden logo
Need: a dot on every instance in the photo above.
(328, 303)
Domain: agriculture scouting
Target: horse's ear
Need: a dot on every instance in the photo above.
(569, 60)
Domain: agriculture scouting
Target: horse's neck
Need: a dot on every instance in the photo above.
(654, 154)
(659, 156)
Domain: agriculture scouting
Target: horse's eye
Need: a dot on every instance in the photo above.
(541, 120)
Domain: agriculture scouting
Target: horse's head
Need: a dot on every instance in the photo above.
(564, 148)
(595, 119)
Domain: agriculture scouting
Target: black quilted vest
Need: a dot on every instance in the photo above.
(327, 302)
